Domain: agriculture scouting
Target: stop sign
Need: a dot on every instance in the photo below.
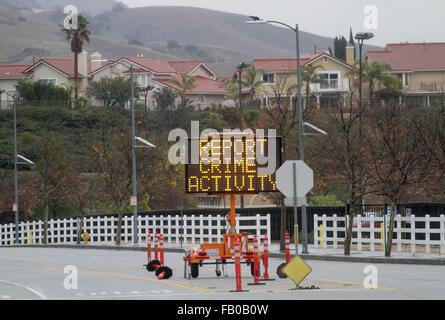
(304, 178)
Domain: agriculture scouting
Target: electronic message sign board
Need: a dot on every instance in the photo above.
(232, 163)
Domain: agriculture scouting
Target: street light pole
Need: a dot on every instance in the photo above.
(240, 68)
(257, 20)
(301, 134)
(15, 206)
(16, 183)
(133, 152)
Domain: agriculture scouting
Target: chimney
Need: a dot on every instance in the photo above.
(83, 63)
(96, 60)
(350, 54)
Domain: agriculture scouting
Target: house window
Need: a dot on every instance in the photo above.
(48, 81)
(269, 78)
(211, 202)
(142, 80)
(404, 78)
(331, 81)
(201, 104)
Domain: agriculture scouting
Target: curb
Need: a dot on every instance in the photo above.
(367, 259)
(271, 255)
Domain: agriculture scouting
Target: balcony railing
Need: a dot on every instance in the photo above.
(342, 86)
(426, 86)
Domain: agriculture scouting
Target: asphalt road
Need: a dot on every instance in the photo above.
(38, 273)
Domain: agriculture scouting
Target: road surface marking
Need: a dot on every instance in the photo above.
(36, 292)
(353, 283)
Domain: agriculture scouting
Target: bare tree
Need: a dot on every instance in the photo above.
(345, 158)
(84, 192)
(112, 151)
(397, 161)
(49, 184)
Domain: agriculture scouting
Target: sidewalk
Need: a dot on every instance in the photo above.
(274, 252)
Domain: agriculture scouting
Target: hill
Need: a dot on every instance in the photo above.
(91, 7)
(221, 39)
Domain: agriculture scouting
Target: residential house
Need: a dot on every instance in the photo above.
(9, 75)
(420, 66)
(280, 79)
(58, 71)
(157, 74)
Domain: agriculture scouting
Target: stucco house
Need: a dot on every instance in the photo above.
(279, 78)
(148, 72)
(420, 66)
(58, 71)
(9, 75)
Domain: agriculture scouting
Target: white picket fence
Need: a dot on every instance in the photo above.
(190, 229)
(369, 233)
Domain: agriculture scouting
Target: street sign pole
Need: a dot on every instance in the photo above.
(294, 176)
(295, 187)
(304, 228)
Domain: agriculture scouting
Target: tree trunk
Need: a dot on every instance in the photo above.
(390, 230)
(348, 238)
(119, 224)
(80, 229)
(76, 67)
(283, 224)
(45, 225)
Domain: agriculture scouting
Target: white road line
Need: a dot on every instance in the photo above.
(116, 292)
(5, 297)
(36, 292)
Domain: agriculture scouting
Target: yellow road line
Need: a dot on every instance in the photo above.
(353, 283)
(128, 276)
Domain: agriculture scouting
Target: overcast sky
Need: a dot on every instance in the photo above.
(398, 20)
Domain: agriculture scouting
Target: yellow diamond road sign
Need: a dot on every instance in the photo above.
(297, 270)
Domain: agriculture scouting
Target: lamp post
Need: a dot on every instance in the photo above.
(240, 68)
(145, 90)
(361, 37)
(133, 155)
(256, 20)
(16, 186)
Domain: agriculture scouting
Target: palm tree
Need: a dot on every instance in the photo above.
(373, 72)
(250, 80)
(77, 39)
(185, 83)
(310, 75)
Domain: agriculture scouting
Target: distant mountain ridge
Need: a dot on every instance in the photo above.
(222, 40)
(92, 7)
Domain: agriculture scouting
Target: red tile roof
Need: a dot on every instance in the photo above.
(14, 71)
(202, 85)
(64, 65)
(289, 64)
(184, 66)
(151, 64)
(411, 56)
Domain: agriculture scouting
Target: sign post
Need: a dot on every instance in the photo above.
(295, 179)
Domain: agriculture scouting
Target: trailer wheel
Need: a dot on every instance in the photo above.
(194, 270)
(280, 272)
